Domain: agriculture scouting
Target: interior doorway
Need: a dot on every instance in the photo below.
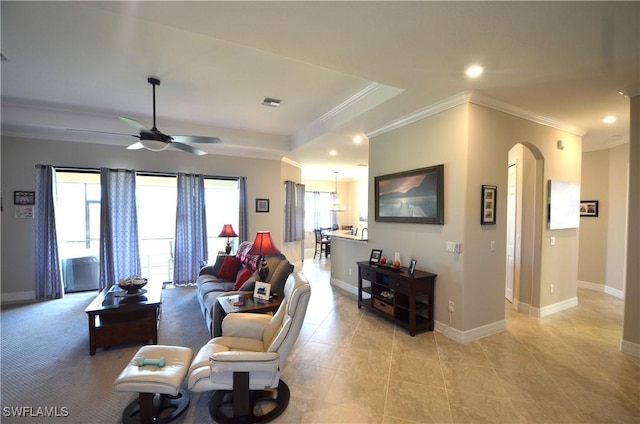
(511, 231)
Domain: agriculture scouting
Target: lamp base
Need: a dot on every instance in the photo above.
(228, 247)
(263, 272)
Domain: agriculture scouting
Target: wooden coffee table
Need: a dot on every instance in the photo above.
(116, 319)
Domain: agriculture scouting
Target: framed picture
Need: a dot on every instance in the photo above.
(262, 205)
(488, 209)
(415, 196)
(412, 266)
(375, 256)
(262, 290)
(589, 207)
(24, 197)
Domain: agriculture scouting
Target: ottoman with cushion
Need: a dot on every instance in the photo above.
(161, 398)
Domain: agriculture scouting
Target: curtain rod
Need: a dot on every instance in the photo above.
(143, 173)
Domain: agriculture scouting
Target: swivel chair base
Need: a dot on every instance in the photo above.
(155, 408)
(245, 406)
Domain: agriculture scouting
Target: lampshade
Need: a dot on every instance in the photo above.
(263, 245)
(154, 145)
(227, 231)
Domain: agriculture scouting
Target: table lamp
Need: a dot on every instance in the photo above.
(227, 231)
(262, 246)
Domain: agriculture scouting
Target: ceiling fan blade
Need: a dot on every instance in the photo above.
(135, 124)
(100, 132)
(196, 139)
(136, 146)
(187, 148)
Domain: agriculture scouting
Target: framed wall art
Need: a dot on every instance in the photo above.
(262, 205)
(589, 208)
(415, 196)
(488, 209)
(24, 197)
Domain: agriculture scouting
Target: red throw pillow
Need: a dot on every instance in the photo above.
(229, 268)
(242, 277)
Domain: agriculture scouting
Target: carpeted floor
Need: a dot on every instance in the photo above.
(47, 370)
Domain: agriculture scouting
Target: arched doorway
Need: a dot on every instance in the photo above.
(524, 226)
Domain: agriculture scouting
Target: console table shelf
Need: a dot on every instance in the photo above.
(398, 296)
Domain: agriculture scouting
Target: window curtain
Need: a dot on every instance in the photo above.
(191, 230)
(243, 223)
(119, 252)
(47, 261)
(293, 211)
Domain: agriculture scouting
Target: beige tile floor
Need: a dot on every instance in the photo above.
(350, 366)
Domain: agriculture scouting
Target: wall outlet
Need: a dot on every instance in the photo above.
(453, 247)
(552, 241)
(551, 287)
(492, 246)
(452, 306)
(349, 271)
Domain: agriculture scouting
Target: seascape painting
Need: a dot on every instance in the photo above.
(413, 196)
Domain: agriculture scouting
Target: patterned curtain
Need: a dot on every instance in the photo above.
(47, 262)
(191, 230)
(119, 253)
(243, 223)
(293, 211)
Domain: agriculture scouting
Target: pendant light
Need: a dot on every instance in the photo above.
(337, 206)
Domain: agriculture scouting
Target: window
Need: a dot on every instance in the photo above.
(317, 212)
(222, 200)
(78, 222)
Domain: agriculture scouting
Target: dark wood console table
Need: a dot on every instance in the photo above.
(402, 298)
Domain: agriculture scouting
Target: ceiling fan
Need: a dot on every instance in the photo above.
(153, 139)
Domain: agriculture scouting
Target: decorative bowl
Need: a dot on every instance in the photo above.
(132, 285)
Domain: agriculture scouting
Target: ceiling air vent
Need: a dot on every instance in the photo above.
(271, 102)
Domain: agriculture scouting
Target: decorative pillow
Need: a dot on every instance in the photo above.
(215, 268)
(229, 269)
(250, 284)
(242, 277)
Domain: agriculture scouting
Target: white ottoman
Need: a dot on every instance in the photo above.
(160, 397)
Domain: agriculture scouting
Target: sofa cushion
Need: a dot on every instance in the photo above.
(279, 275)
(215, 268)
(241, 278)
(229, 269)
(250, 284)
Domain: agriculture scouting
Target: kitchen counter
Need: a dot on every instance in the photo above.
(344, 235)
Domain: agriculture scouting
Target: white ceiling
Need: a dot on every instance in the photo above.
(340, 68)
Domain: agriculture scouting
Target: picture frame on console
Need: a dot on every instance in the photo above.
(412, 266)
(415, 196)
(376, 254)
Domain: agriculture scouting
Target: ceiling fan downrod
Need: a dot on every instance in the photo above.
(154, 81)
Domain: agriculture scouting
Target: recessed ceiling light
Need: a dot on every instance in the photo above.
(333, 153)
(609, 119)
(357, 139)
(474, 71)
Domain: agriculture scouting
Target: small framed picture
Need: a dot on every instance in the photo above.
(24, 197)
(262, 290)
(412, 266)
(488, 209)
(262, 205)
(376, 254)
(589, 207)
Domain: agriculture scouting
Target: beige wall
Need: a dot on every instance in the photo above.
(618, 218)
(473, 143)
(19, 156)
(592, 264)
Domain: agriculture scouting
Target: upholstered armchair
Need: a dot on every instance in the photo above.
(247, 359)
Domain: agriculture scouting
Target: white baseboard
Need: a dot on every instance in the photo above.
(344, 286)
(18, 297)
(473, 334)
(521, 306)
(612, 291)
(630, 348)
(556, 307)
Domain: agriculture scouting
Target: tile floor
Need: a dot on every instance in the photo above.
(350, 366)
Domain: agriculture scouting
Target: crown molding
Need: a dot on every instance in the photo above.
(480, 100)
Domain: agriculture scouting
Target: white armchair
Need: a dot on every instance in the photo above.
(243, 365)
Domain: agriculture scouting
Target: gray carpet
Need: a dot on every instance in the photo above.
(46, 368)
